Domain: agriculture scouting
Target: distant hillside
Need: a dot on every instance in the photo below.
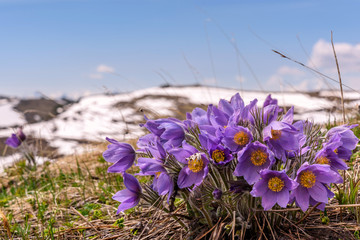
(65, 126)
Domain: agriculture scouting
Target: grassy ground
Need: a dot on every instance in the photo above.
(71, 199)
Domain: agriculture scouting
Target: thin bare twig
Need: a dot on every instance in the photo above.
(308, 213)
(314, 70)
(84, 218)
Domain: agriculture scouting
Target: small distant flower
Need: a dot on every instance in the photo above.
(130, 196)
(251, 160)
(273, 187)
(121, 154)
(236, 138)
(217, 194)
(220, 155)
(313, 181)
(281, 137)
(16, 139)
(196, 166)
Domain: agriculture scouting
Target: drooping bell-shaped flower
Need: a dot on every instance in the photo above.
(130, 196)
(121, 154)
(346, 137)
(15, 140)
(327, 155)
(170, 131)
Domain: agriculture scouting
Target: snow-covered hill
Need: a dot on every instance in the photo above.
(118, 116)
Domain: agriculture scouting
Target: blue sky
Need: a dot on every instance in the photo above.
(78, 47)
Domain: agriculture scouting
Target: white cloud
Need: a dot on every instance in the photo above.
(96, 76)
(286, 70)
(348, 55)
(102, 68)
(285, 73)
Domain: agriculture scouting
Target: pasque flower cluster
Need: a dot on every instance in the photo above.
(233, 150)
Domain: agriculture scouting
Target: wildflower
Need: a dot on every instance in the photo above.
(130, 196)
(195, 165)
(16, 139)
(170, 131)
(273, 187)
(220, 155)
(121, 154)
(313, 181)
(162, 182)
(270, 101)
(327, 155)
(236, 138)
(243, 115)
(347, 137)
(281, 137)
(255, 157)
(217, 194)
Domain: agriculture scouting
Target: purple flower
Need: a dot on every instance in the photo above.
(170, 131)
(162, 182)
(273, 187)
(347, 137)
(270, 101)
(16, 139)
(121, 154)
(217, 117)
(220, 155)
(236, 138)
(271, 110)
(281, 137)
(130, 196)
(328, 156)
(312, 188)
(243, 114)
(195, 165)
(217, 194)
(251, 160)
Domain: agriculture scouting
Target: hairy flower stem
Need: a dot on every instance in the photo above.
(202, 210)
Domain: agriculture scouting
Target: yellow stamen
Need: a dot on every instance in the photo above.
(218, 155)
(336, 151)
(275, 134)
(258, 157)
(157, 174)
(307, 179)
(275, 184)
(241, 138)
(195, 163)
(322, 160)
